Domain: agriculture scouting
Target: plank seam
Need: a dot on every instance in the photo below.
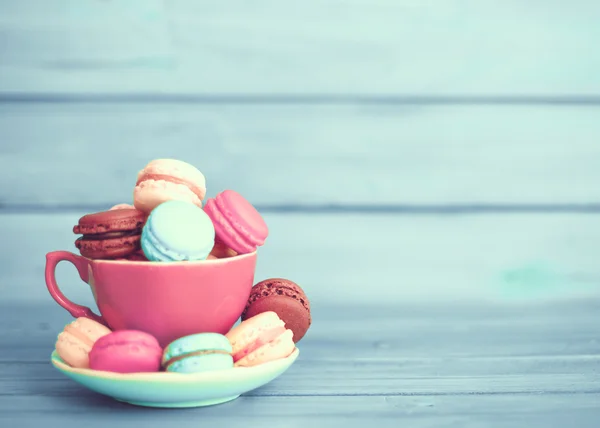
(396, 209)
(315, 99)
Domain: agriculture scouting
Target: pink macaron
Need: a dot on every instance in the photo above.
(237, 223)
(164, 180)
(126, 351)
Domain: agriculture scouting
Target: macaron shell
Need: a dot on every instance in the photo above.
(121, 207)
(225, 232)
(201, 363)
(73, 351)
(110, 221)
(154, 251)
(126, 351)
(137, 256)
(282, 347)
(196, 342)
(247, 220)
(286, 299)
(151, 193)
(279, 286)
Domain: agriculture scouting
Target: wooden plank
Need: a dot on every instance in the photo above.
(471, 365)
(305, 155)
(316, 47)
(535, 411)
(349, 258)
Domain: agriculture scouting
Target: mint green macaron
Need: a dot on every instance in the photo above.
(198, 353)
(177, 231)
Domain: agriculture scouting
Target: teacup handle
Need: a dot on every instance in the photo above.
(81, 263)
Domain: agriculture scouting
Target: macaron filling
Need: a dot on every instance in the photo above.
(111, 235)
(177, 358)
(264, 338)
(198, 191)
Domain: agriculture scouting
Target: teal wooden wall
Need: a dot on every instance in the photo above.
(400, 150)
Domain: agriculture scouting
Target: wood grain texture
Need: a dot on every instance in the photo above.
(475, 411)
(90, 154)
(349, 258)
(463, 365)
(476, 47)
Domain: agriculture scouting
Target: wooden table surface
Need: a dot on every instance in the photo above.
(428, 171)
(425, 366)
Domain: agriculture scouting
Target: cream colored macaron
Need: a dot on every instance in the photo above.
(164, 180)
(75, 342)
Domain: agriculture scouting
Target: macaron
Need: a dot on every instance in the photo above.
(286, 299)
(110, 234)
(198, 353)
(138, 256)
(260, 339)
(221, 251)
(126, 351)
(237, 223)
(75, 342)
(121, 206)
(165, 180)
(177, 231)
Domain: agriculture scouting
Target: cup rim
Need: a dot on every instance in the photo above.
(179, 263)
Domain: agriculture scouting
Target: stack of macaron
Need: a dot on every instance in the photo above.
(170, 221)
(87, 344)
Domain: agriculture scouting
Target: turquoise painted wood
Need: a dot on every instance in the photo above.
(349, 258)
(267, 47)
(55, 155)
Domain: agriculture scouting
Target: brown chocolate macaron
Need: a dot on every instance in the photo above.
(286, 299)
(110, 234)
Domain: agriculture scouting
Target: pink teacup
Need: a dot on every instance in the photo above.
(167, 300)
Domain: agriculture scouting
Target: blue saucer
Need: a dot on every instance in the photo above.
(174, 390)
